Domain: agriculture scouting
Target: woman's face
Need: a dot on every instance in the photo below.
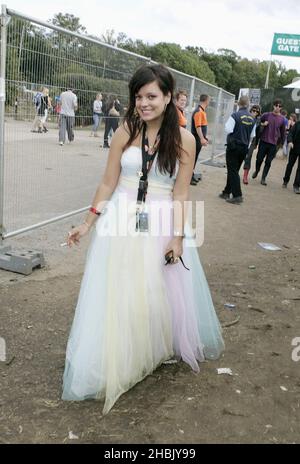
(150, 102)
(181, 102)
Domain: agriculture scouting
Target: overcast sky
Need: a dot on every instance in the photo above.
(245, 27)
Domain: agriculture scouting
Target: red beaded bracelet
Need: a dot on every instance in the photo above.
(93, 210)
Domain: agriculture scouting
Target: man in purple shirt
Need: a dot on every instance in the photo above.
(273, 133)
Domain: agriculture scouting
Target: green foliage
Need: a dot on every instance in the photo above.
(230, 55)
(182, 60)
(68, 21)
(38, 56)
(221, 67)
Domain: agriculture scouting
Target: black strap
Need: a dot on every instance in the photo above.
(183, 263)
(147, 161)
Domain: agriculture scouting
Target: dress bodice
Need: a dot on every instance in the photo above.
(131, 163)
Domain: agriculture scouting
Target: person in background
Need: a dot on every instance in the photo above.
(273, 125)
(199, 130)
(44, 107)
(181, 102)
(67, 115)
(294, 141)
(286, 122)
(16, 107)
(240, 129)
(97, 114)
(291, 123)
(255, 113)
(37, 102)
(112, 118)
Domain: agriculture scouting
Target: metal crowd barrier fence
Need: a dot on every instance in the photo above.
(40, 181)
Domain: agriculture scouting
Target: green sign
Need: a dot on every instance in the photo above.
(286, 44)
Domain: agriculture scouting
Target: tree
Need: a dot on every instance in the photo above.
(230, 55)
(198, 51)
(182, 60)
(68, 21)
(221, 67)
(109, 37)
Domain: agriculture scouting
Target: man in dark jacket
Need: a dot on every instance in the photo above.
(240, 128)
(294, 139)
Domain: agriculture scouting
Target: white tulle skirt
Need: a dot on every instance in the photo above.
(133, 312)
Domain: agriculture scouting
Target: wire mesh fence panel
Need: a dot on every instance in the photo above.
(225, 109)
(43, 179)
(202, 88)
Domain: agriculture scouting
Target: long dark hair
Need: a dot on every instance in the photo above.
(170, 138)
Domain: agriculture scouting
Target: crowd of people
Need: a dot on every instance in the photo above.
(248, 130)
(107, 109)
(269, 132)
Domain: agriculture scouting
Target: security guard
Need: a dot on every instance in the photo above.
(240, 129)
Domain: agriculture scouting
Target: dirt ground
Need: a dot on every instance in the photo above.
(259, 403)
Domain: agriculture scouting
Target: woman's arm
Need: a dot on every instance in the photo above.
(106, 187)
(181, 190)
(111, 174)
(183, 178)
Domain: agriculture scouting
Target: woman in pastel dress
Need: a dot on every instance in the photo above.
(134, 312)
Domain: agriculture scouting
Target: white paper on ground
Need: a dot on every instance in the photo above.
(269, 246)
(225, 370)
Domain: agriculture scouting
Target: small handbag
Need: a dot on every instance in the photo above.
(113, 112)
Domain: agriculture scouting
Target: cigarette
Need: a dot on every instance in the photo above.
(64, 244)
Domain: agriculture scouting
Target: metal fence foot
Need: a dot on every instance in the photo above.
(21, 262)
(215, 164)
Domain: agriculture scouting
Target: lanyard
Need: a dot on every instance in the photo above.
(148, 157)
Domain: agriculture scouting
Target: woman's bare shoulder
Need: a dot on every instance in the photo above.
(188, 140)
(186, 136)
(121, 136)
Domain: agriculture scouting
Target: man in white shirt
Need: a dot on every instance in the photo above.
(67, 115)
